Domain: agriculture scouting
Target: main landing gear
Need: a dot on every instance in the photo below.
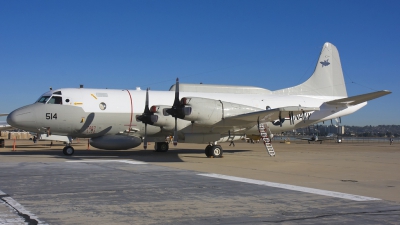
(214, 151)
(161, 146)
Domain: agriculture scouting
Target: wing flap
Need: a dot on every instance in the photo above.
(265, 115)
(355, 100)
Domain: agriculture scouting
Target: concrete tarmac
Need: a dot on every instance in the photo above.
(326, 183)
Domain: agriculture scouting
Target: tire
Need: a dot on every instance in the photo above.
(207, 151)
(162, 146)
(156, 146)
(68, 150)
(216, 151)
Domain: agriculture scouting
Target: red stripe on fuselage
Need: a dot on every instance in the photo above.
(130, 122)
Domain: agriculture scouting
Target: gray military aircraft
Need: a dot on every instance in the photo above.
(191, 113)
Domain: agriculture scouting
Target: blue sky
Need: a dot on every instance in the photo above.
(270, 44)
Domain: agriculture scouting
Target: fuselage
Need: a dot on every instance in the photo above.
(81, 112)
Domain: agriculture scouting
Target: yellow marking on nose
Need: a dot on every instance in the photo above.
(93, 96)
(78, 103)
(83, 119)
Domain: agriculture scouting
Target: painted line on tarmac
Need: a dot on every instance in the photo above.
(106, 161)
(29, 217)
(292, 187)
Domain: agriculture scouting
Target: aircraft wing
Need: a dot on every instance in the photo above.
(3, 114)
(4, 126)
(265, 115)
(355, 100)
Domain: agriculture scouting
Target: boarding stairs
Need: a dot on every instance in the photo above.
(230, 138)
(265, 134)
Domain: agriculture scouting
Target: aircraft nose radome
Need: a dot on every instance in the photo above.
(21, 118)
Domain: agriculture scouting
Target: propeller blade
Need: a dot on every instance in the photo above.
(145, 137)
(291, 117)
(146, 106)
(176, 133)
(176, 100)
(147, 117)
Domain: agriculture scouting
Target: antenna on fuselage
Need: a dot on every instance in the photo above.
(81, 86)
(51, 88)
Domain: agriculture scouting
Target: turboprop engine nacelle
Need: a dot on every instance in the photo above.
(206, 111)
(163, 118)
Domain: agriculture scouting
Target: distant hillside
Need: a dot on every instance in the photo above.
(373, 131)
(365, 131)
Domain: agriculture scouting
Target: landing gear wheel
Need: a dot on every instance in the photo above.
(208, 150)
(216, 151)
(161, 146)
(68, 150)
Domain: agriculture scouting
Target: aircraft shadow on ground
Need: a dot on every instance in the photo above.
(173, 155)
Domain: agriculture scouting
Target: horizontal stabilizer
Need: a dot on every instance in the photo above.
(5, 126)
(355, 100)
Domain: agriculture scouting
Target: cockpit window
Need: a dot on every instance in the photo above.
(55, 100)
(57, 93)
(43, 99)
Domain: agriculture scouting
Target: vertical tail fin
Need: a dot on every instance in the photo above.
(327, 79)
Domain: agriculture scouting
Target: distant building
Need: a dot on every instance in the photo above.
(341, 130)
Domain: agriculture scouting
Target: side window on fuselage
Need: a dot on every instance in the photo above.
(55, 100)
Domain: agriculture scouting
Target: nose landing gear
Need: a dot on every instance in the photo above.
(214, 151)
(68, 150)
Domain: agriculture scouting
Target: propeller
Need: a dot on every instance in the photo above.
(177, 111)
(291, 117)
(337, 122)
(147, 117)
